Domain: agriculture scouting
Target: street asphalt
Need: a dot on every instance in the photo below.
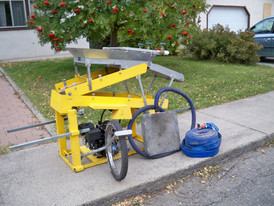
(38, 176)
(246, 180)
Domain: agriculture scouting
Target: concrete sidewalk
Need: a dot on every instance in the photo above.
(38, 176)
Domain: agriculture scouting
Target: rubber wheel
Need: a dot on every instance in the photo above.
(116, 152)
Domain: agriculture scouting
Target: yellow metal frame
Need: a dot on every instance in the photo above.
(77, 93)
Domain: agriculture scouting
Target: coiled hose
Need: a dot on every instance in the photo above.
(202, 142)
(156, 107)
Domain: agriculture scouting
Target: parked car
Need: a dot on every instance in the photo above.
(264, 35)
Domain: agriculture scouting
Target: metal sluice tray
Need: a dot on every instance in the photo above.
(123, 57)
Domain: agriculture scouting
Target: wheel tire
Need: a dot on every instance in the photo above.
(118, 147)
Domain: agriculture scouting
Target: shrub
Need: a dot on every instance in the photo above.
(223, 45)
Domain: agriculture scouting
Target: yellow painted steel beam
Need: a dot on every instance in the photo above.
(74, 141)
(60, 103)
(76, 80)
(103, 72)
(83, 78)
(107, 80)
(63, 103)
(60, 124)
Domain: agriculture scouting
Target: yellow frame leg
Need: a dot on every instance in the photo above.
(133, 125)
(74, 141)
(134, 133)
(60, 123)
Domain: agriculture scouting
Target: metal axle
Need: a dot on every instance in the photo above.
(47, 139)
(122, 133)
(31, 126)
(39, 141)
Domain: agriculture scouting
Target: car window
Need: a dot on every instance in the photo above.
(265, 26)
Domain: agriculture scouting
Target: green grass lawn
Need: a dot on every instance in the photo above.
(207, 83)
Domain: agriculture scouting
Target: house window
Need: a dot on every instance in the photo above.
(13, 13)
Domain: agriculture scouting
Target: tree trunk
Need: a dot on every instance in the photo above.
(98, 44)
(110, 40)
(114, 37)
(94, 45)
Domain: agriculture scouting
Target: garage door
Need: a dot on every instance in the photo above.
(235, 18)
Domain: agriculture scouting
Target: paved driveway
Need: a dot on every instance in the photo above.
(267, 62)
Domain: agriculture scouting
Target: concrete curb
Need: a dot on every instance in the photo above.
(160, 183)
(50, 129)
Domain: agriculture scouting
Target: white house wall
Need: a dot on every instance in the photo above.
(23, 44)
(254, 7)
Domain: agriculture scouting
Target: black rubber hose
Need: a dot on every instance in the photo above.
(101, 119)
(160, 109)
(177, 91)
